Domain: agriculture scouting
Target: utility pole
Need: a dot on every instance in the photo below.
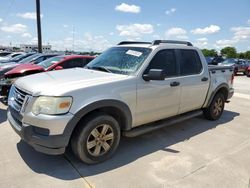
(38, 20)
(73, 38)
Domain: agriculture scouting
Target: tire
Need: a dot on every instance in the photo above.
(215, 110)
(89, 132)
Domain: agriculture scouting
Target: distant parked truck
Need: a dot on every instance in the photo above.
(130, 89)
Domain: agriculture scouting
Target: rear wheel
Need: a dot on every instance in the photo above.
(215, 110)
(96, 138)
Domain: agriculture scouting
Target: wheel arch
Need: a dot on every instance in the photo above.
(223, 88)
(117, 109)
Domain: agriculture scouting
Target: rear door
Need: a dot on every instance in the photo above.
(194, 80)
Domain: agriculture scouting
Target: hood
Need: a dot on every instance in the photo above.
(8, 65)
(25, 67)
(59, 82)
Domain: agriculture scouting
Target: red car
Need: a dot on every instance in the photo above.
(248, 71)
(54, 63)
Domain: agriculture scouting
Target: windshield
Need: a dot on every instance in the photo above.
(30, 58)
(120, 60)
(51, 61)
(228, 61)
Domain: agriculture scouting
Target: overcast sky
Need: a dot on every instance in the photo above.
(98, 24)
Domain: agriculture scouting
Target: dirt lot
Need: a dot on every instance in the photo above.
(196, 153)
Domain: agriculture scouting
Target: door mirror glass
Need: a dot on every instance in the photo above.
(155, 74)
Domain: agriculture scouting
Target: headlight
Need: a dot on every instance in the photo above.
(51, 105)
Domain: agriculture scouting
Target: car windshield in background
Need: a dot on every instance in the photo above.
(49, 62)
(16, 58)
(228, 61)
(120, 60)
(29, 59)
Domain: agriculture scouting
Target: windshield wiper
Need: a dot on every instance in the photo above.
(101, 68)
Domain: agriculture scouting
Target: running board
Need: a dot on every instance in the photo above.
(160, 124)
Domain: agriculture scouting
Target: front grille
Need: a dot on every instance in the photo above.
(18, 97)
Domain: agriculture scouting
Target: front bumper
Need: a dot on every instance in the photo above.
(37, 137)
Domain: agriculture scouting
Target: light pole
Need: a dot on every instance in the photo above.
(38, 20)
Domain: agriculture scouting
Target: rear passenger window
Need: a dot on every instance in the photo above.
(73, 63)
(190, 62)
(164, 59)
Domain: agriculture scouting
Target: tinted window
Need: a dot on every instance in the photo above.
(190, 62)
(164, 59)
(72, 63)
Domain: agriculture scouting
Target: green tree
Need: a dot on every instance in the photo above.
(207, 52)
(247, 54)
(241, 55)
(229, 52)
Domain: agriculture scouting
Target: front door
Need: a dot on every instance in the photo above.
(159, 99)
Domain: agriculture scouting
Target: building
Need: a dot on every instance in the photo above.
(33, 47)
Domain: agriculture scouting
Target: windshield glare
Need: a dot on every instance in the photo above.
(121, 60)
(49, 62)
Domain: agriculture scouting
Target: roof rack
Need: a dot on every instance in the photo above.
(133, 42)
(157, 42)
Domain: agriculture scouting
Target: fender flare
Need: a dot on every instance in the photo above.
(223, 85)
(119, 105)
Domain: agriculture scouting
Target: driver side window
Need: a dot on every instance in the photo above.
(165, 60)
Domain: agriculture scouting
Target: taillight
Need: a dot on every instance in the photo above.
(232, 79)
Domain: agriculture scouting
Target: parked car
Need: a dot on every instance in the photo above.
(17, 58)
(2, 54)
(130, 89)
(35, 59)
(54, 63)
(209, 60)
(238, 64)
(247, 70)
(7, 57)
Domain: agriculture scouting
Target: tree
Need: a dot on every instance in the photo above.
(208, 53)
(229, 52)
(247, 54)
(241, 55)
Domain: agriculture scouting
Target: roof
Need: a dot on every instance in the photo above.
(158, 43)
(78, 56)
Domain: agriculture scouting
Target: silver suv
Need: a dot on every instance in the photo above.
(126, 90)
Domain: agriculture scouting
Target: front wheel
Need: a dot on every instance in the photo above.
(96, 138)
(215, 110)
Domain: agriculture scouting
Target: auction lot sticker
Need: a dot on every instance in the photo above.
(134, 53)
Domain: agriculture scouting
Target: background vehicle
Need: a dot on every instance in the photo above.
(35, 59)
(54, 63)
(238, 64)
(130, 89)
(209, 60)
(17, 58)
(2, 54)
(7, 57)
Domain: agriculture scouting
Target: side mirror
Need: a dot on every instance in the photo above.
(58, 68)
(155, 74)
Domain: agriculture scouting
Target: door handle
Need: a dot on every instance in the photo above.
(174, 84)
(204, 79)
